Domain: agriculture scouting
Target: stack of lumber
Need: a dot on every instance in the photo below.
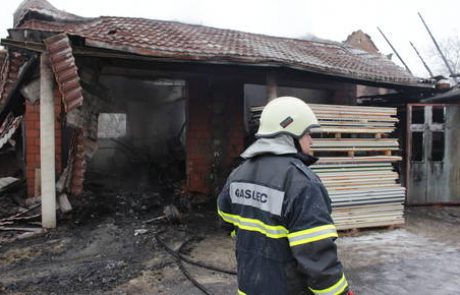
(356, 163)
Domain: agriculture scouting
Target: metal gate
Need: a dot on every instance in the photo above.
(430, 154)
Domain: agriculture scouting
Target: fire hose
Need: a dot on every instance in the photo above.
(180, 258)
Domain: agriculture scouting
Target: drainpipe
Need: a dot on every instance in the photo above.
(47, 162)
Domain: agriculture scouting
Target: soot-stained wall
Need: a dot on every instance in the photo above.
(153, 114)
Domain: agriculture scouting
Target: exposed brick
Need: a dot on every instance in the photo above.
(214, 114)
(32, 137)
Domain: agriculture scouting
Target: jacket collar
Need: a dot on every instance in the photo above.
(279, 145)
(306, 159)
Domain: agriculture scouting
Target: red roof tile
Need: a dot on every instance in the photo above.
(166, 39)
(9, 73)
(65, 70)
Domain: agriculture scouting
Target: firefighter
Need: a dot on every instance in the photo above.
(279, 211)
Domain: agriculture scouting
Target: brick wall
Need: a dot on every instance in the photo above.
(32, 140)
(228, 136)
(215, 132)
(361, 40)
(32, 143)
(198, 145)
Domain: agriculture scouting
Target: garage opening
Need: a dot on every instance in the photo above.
(140, 135)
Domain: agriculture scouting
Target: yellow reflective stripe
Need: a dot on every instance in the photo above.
(250, 224)
(312, 235)
(233, 233)
(241, 292)
(335, 289)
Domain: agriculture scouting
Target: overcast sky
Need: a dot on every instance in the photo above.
(328, 19)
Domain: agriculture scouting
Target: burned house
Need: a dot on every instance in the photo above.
(136, 100)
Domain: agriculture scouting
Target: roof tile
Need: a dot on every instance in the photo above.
(179, 41)
(65, 70)
(9, 73)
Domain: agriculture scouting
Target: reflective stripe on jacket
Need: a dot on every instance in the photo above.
(285, 236)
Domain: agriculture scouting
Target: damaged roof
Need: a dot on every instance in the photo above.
(10, 68)
(179, 41)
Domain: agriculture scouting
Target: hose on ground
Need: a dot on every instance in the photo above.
(180, 258)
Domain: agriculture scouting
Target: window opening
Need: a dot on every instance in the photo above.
(438, 115)
(437, 148)
(418, 115)
(417, 146)
(111, 125)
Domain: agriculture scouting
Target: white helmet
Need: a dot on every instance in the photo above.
(286, 115)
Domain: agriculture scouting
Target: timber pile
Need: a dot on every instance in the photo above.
(356, 163)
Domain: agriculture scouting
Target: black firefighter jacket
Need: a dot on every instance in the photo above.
(280, 212)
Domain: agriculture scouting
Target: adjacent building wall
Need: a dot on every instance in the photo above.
(360, 40)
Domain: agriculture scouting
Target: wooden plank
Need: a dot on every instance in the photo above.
(392, 141)
(387, 150)
(342, 212)
(353, 200)
(336, 199)
(355, 124)
(347, 173)
(364, 224)
(368, 181)
(351, 130)
(371, 216)
(28, 229)
(345, 170)
(7, 181)
(367, 190)
(357, 179)
(343, 166)
(367, 186)
(37, 182)
(338, 160)
(362, 118)
(341, 108)
(324, 117)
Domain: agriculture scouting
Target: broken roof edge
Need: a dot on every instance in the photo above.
(98, 49)
(374, 65)
(232, 60)
(14, 90)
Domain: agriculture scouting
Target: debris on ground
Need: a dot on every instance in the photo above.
(18, 220)
(123, 243)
